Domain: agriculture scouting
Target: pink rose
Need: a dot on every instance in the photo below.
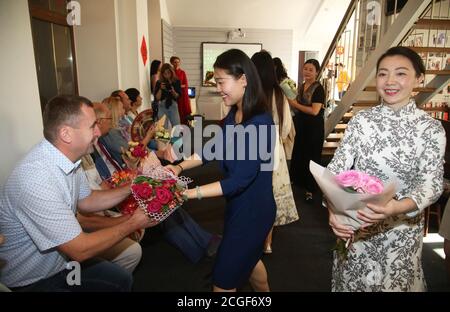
(143, 190)
(373, 186)
(154, 206)
(163, 195)
(350, 178)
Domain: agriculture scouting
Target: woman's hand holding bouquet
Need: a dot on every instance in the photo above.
(355, 200)
(352, 181)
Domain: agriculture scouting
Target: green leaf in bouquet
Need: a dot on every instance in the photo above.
(350, 189)
(140, 179)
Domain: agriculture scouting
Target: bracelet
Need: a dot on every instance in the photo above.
(199, 194)
(181, 167)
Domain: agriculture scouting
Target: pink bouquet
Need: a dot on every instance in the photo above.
(354, 181)
(350, 192)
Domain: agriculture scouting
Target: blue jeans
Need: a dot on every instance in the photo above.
(96, 275)
(181, 230)
(172, 113)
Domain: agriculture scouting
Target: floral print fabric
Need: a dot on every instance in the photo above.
(409, 145)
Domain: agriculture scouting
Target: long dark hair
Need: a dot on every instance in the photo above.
(154, 67)
(266, 69)
(236, 63)
(153, 71)
(280, 71)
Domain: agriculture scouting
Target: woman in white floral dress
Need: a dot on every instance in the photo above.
(393, 139)
(282, 191)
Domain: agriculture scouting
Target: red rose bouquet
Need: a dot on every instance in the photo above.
(159, 192)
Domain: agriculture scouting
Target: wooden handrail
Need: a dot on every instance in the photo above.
(340, 30)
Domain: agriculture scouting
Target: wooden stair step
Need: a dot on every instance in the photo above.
(430, 49)
(438, 72)
(340, 127)
(419, 89)
(329, 148)
(347, 116)
(427, 23)
(334, 137)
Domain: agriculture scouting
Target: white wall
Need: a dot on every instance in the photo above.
(127, 30)
(96, 49)
(165, 12)
(154, 30)
(143, 70)
(108, 43)
(20, 108)
(187, 45)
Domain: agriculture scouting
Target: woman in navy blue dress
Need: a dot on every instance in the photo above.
(247, 165)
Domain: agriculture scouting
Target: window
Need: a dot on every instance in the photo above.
(53, 49)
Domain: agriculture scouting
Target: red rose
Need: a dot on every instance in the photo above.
(142, 190)
(154, 206)
(163, 195)
(139, 151)
(169, 183)
(129, 205)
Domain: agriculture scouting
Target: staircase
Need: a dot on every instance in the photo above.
(419, 25)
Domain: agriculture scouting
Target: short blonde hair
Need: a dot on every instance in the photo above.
(115, 105)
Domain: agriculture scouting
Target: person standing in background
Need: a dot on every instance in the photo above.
(155, 69)
(167, 92)
(342, 81)
(184, 103)
(309, 128)
(281, 183)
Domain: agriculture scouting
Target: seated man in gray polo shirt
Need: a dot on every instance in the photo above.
(44, 242)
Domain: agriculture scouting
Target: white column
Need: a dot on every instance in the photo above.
(20, 108)
(96, 49)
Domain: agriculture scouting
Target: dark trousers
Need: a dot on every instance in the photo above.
(96, 275)
(182, 231)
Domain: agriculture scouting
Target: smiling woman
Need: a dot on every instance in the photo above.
(392, 140)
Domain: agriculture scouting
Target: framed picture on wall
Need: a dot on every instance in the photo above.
(418, 40)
